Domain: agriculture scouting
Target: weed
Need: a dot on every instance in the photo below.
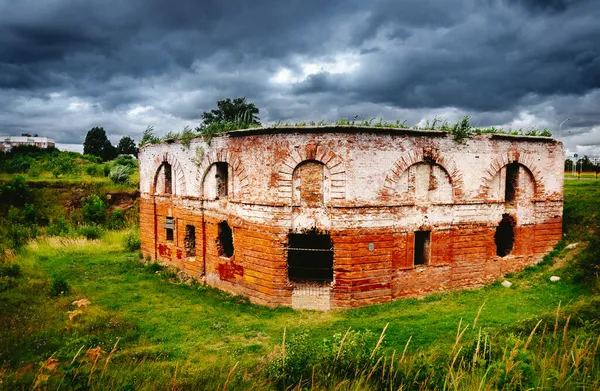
(155, 267)
(10, 269)
(116, 219)
(131, 240)
(59, 286)
(90, 232)
(119, 174)
(93, 209)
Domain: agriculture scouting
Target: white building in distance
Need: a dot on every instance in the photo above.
(9, 142)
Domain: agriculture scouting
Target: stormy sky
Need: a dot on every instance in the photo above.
(69, 65)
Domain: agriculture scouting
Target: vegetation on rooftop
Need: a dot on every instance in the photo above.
(238, 114)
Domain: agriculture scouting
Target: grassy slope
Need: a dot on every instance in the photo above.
(100, 182)
(176, 325)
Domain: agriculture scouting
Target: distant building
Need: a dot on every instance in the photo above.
(9, 142)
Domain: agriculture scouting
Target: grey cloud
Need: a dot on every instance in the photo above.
(70, 65)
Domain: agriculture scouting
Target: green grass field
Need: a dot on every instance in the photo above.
(157, 333)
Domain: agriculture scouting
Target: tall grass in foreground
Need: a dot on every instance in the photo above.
(548, 358)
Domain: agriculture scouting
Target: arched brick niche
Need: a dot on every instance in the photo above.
(240, 177)
(423, 156)
(178, 180)
(501, 161)
(316, 153)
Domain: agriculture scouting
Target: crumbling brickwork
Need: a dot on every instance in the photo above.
(402, 213)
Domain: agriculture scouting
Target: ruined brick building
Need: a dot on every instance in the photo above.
(332, 217)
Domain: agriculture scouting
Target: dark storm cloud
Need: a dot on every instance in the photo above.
(489, 61)
(67, 65)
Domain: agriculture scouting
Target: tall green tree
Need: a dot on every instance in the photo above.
(96, 143)
(127, 146)
(236, 110)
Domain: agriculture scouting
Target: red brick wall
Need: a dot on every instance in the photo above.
(461, 257)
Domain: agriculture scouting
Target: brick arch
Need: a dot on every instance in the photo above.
(314, 152)
(177, 173)
(224, 156)
(423, 155)
(501, 161)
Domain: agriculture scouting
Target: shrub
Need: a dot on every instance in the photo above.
(90, 232)
(61, 165)
(589, 262)
(126, 160)
(461, 129)
(119, 174)
(132, 240)
(16, 192)
(12, 270)
(59, 286)
(92, 158)
(106, 169)
(116, 219)
(341, 356)
(18, 234)
(155, 267)
(58, 227)
(93, 209)
(94, 170)
(34, 172)
(29, 214)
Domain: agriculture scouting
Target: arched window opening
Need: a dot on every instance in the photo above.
(425, 182)
(225, 241)
(505, 235)
(221, 180)
(310, 258)
(168, 178)
(215, 185)
(309, 183)
(163, 181)
(511, 182)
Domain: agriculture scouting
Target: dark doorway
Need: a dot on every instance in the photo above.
(512, 181)
(189, 241)
(225, 240)
(505, 235)
(222, 179)
(310, 258)
(422, 247)
(168, 179)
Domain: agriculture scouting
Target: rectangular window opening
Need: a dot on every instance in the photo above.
(422, 247)
(310, 258)
(169, 228)
(189, 241)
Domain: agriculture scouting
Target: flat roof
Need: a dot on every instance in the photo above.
(368, 129)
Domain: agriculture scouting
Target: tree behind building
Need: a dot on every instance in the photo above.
(96, 143)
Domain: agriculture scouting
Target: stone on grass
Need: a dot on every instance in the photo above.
(572, 245)
(506, 284)
(554, 278)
